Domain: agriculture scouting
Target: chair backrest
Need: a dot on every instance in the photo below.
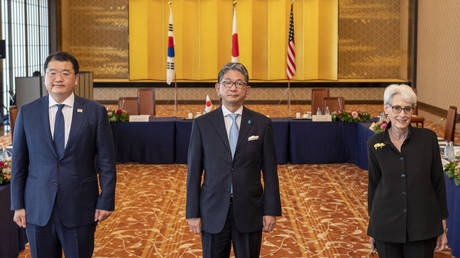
(317, 96)
(146, 101)
(13, 114)
(415, 112)
(449, 131)
(130, 104)
(334, 104)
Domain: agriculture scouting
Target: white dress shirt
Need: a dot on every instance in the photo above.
(228, 119)
(67, 112)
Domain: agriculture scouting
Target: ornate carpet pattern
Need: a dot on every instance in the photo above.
(324, 214)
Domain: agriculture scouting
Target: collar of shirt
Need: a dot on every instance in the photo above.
(386, 135)
(69, 101)
(226, 112)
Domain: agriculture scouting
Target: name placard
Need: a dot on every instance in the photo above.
(321, 118)
(139, 118)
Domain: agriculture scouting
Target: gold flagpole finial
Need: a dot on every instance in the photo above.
(170, 3)
(234, 3)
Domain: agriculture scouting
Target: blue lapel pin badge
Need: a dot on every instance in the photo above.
(249, 122)
(79, 110)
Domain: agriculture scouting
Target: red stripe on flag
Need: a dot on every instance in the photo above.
(291, 62)
(170, 41)
(235, 51)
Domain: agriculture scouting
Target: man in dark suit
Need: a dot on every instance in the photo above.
(61, 144)
(232, 146)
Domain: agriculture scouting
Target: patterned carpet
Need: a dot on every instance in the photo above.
(324, 211)
(324, 214)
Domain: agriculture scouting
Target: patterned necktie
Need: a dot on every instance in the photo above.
(59, 132)
(233, 135)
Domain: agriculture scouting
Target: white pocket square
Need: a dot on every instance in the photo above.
(253, 138)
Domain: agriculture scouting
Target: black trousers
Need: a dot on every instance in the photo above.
(245, 245)
(49, 241)
(417, 249)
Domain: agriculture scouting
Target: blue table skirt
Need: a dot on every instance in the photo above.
(328, 142)
(280, 131)
(281, 135)
(12, 238)
(166, 140)
(453, 223)
(183, 131)
(145, 142)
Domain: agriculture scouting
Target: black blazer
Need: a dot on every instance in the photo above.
(209, 153)
(407, 196)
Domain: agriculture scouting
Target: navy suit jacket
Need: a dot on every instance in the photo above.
(40, 181)
(209, 153)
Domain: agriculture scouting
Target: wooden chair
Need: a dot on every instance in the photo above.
(13, 114)
(146, 101)
(449, 131)
(317, 97)
(334, 104)
(130, 104)
(417, 120)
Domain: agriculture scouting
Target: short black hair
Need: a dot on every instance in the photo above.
(239, 67)
(63, 57)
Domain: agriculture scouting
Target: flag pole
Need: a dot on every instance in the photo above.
(170, 69)
(290, 61)
(175, 97)
(235, 48)
(289, 98)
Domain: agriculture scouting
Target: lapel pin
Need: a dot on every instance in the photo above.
(249, 122)
(79, 110)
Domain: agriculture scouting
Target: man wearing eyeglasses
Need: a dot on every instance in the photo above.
(232, 146)
(61, 144)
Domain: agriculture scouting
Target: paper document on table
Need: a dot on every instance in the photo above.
(139, 118)
(457, 150)
(321, 118)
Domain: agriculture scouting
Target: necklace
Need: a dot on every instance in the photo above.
(396, 137)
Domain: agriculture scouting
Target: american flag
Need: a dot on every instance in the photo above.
(170, 70)
(235, 51)
(290, 67)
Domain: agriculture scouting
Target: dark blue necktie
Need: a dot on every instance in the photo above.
(59, 132)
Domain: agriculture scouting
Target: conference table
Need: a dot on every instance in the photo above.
(453, 223)
(145, 142)
(280, 131)
(166, 140)
(12, 238)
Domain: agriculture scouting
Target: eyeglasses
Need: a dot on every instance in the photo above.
(238, 84)
(397, 109)
(54, 73)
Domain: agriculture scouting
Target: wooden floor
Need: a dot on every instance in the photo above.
(324, 208)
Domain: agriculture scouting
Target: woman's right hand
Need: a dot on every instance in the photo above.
(372, 242)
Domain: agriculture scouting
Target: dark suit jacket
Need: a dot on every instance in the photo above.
(209, 152)
(407, 196)
(40, 181)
